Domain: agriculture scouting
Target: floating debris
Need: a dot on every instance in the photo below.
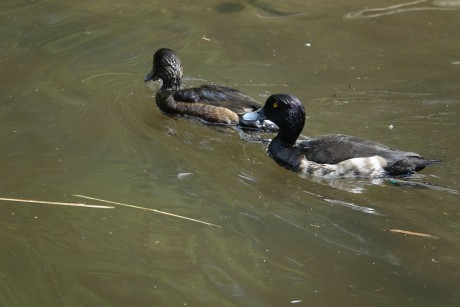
(412, 233)
(146, 209)
(54, 203)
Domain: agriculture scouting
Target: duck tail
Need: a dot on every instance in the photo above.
(409, 165)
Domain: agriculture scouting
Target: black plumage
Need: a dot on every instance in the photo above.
(288, 113)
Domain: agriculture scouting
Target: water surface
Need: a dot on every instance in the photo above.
(77, 118)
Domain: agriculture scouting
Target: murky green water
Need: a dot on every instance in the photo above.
(77, 118)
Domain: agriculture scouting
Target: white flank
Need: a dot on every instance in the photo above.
(371, 167)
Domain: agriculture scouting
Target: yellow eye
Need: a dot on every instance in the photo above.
(275, 104)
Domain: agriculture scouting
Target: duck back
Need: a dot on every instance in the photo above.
(219, 96)
(332, 149)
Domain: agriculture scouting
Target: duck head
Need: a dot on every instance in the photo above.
(286, 111)
(167, 67)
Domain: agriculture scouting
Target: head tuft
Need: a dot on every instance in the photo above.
(167, 67)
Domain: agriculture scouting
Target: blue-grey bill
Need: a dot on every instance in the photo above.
(149, 76)
(256, 115)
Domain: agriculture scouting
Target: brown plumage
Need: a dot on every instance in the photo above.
(211, 103)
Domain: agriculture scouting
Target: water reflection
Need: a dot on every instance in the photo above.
(267, 9)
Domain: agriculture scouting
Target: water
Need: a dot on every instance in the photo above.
(77, 118)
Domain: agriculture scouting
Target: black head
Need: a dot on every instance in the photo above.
(167, 67)
(286, 111)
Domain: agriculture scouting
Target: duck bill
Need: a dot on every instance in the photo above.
(150, 76)
(258, 115)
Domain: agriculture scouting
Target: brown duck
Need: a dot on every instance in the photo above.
(216, 104)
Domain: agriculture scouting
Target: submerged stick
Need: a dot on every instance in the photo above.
(54, 203)
(146, 209)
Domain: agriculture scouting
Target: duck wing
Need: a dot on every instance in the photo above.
(332, 149)
(219, 96)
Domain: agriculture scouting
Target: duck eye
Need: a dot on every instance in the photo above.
(275, 105)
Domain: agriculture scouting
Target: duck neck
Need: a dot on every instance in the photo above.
(283, 152)
(282, 141)
(171, 83)
(288, 137)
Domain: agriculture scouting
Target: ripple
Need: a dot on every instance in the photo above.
(11, 40)
(223, 280)
(71, 41)
(352, 185)
(441, 5)
(447, 3)
(352, 206)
